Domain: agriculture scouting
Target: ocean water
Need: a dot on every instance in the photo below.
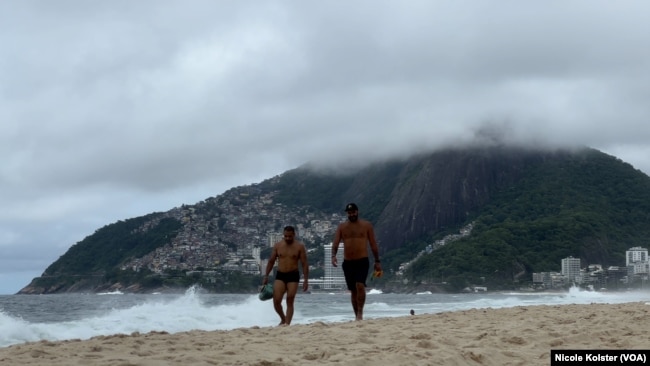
(27, 318)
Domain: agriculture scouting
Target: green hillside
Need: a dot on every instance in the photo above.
(102, 251)
(592, 206)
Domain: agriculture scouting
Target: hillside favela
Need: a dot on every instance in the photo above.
(530, 221)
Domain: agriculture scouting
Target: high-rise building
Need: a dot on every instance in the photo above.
(571, 269)
(333, 278)
(636, 260)
(636, 254)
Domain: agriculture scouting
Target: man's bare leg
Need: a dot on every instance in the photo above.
(278, 293)
(292, 289)
(360, 300)
(353, 299)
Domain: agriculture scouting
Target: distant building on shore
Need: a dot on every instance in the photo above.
(637, 268)
(571, 269)
(333, 278)
(636, 261)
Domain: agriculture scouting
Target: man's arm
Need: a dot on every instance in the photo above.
(373, 246)
(269, 265)
(305, 268)
(335, 245)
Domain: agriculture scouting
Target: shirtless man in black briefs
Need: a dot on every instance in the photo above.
(288, 252)
(356, 234)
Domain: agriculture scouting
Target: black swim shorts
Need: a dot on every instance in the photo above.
(356, 271)
(286, 277)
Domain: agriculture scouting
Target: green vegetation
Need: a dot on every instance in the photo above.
(109, 246)
(590, 206)
(370, 187)
(303, 187)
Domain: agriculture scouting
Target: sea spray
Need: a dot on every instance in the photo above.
(155, 313)
(25, 318)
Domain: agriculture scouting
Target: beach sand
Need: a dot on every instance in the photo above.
(510, 336)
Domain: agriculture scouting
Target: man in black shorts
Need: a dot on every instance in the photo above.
(355, 271)
(356, 234)
(288, 252)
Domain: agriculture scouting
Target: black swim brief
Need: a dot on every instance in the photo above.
(286, 277)
(356, 271)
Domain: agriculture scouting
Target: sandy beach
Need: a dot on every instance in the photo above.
(509, 336)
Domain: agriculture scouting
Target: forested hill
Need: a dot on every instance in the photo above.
(530, 209)
(585, 204)
(410, 200)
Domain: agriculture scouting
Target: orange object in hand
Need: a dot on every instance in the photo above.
(378, 274)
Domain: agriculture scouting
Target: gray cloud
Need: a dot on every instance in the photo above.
(115, 110)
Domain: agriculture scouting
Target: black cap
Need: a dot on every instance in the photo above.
(351, 207)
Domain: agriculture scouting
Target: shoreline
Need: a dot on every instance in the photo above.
(177, 291)
(521, 335)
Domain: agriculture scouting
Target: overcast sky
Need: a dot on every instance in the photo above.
(115, 109)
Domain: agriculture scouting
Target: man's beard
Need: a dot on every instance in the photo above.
(353, 218)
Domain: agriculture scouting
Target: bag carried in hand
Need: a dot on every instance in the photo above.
(266, 292)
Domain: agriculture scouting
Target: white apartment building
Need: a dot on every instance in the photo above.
(571, 269)
(636, 254)
(636, 260)
(333, 278)
(256, 254)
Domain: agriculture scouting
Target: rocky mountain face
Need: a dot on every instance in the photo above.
(440, 190)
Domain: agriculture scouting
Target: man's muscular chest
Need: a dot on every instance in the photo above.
(354, 232)
(288, 252)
